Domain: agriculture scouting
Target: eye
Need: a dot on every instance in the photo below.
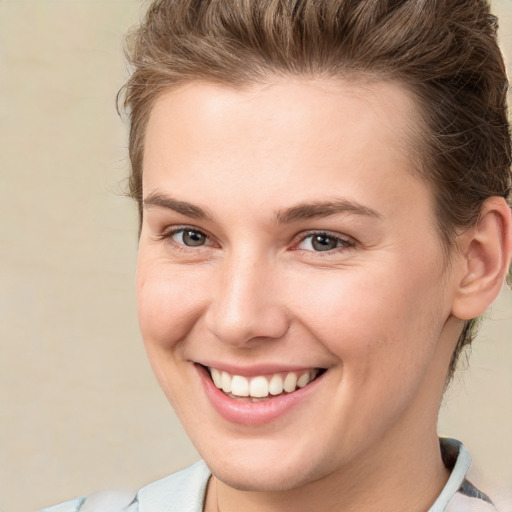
(323, 242)
(189, 237)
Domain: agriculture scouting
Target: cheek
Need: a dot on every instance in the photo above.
(168, 308)
(169, 302)
(369, 318)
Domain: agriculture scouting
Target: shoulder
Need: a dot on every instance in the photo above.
(98, 502)
(68, 506)
(462, 503)
(183, 491)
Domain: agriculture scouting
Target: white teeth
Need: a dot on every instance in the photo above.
(216, 377)
(261, 386)
(225, 382)
(290, 382)
(275, 386)
(239, 386)
(303, 380)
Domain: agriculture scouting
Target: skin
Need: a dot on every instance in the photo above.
(377, 311)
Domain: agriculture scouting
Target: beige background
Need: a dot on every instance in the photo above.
(80, 410)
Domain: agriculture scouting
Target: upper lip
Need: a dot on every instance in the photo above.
(255, 369)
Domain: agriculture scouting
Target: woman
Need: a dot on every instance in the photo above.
(323, 192)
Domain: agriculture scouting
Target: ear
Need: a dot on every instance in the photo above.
(485, 257)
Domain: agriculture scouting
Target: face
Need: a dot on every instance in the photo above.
(289, 255)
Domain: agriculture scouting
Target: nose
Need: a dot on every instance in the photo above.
(247, 305)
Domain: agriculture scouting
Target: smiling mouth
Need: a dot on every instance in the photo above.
(262, 387)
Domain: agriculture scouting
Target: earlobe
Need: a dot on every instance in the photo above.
(485, 259)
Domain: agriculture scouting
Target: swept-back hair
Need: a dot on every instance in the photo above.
(444, 51)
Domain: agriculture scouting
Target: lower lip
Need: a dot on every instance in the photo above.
(253, 413)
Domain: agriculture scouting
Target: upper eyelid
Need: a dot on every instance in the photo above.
(183, 227)
(347, 243)
(171, 231)
(332, 234)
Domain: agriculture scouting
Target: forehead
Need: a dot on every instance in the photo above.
(296, 140)
(298, 108)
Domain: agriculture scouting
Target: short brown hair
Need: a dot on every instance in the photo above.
(444, 51)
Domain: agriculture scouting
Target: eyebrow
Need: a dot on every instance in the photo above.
(317, 210)
(188, 209)
(303, 211)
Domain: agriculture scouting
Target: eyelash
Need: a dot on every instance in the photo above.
(343, 244)
(169, 235)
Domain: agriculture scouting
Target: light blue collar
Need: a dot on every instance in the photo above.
(180, 492)
(453, 452)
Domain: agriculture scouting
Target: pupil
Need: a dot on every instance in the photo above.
(323, 243)
(193, 238)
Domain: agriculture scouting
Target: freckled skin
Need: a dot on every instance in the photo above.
(376, 312)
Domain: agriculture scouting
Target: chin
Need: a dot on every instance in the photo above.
(263, 479)
(266, 467)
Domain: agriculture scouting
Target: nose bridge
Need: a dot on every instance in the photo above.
(247, 303)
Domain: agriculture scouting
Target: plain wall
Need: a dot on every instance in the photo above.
(80, 409)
